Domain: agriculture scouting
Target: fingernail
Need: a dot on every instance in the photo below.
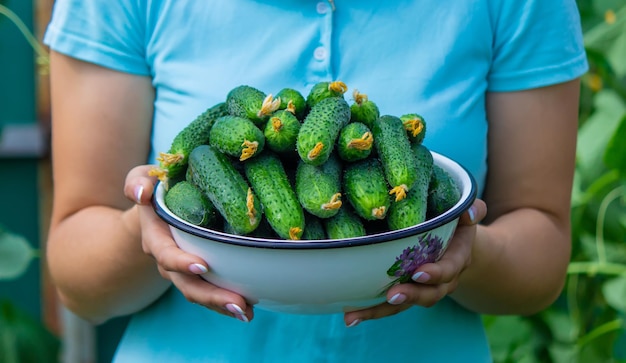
(397, 299)
(197, 269)
(472, 214)
(420, 276)
(238, 312)
(138, 193)
(354, 322)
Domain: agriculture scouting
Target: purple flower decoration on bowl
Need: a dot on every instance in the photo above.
(428, 249)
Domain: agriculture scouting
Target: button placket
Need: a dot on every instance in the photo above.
(322, 8)
(321, 53)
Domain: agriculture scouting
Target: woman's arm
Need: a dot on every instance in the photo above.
(101, 124)
(520, 255)
(108, 253)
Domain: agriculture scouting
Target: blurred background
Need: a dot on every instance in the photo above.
(586, 324)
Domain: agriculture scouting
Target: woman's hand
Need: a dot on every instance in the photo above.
(181, 268)
(432, 281)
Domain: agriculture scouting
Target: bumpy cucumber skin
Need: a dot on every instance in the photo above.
(412, 210)
(345, 224)
(268, 179)
(366, 112)
(189, 203)
(350, 132)
(229, 133)
(316, 185)
(297, 99)
(394, 150)
(366, 189)
(194, 134)
(419, 138)
(264, 230)
(322, 125)
(283, 139)
(246, 101)
(443, 192)
(225, 187)
(320, 91)
(314, 229)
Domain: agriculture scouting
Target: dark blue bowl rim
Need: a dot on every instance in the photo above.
(246, 241)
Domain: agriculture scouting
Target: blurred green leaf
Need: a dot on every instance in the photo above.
(561, 325)
(615, 250)
(594, 135)
(604, 35)
(24, 339)
(615, 154)
(614, 291)
(563, 353)
(511, 338)
(15, 255)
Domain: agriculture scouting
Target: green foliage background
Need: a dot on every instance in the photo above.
(587, 324)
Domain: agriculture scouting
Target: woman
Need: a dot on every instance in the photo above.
(497, 83)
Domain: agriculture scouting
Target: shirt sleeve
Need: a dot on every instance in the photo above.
(536, 43)
(108, 33)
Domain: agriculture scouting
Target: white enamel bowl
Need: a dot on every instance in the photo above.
(318, 276)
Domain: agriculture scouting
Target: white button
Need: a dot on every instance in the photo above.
(320, 53)
(322, 8)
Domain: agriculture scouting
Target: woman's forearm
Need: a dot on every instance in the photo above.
(97, 263)
(519, 264)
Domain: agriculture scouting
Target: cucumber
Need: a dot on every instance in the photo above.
(264, 230)
(237, 136)
(281, 132)
(412, 210)
(293, 101)
(443, 192)
(189, 203)
(394, 150)
(280, 204)
(345, 224)
(313, 229)
(321, 127)
(318, 188)
(363, 110)
(366, 189)
(173, 164)
(322, 90)
(225, 187)
(355, 142)
(248, 102)
(415, 127)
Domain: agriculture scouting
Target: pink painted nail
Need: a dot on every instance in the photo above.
(472, 214)
(138, 193)
(197, 269)
(397, 299)
(420, 277)
(238, 312)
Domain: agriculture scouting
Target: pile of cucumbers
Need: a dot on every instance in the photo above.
(303, 168)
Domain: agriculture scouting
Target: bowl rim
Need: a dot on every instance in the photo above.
(468, 195)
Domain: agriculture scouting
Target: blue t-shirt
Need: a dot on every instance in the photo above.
(429, 57)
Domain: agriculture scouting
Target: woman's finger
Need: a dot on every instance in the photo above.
(474, 214)
(157, 241)
(457, 257)
(139, 185)
(201, 292)
(354, 318)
